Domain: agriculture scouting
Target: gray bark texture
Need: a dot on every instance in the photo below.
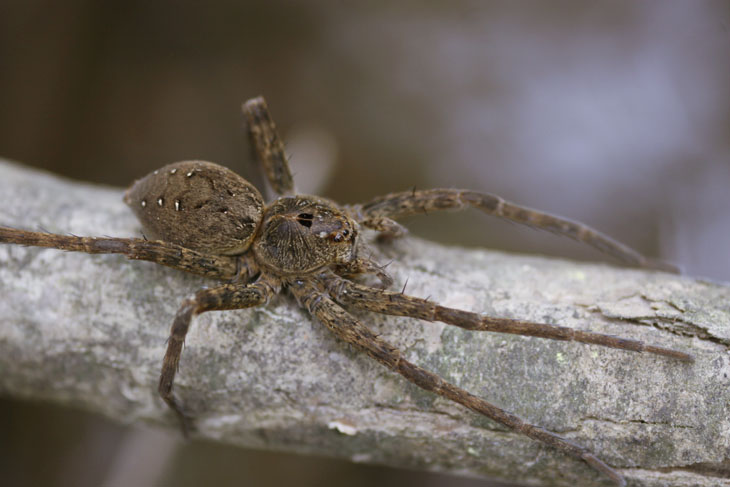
(90, 330)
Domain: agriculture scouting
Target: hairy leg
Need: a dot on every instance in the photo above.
(347, 328)
(267, 145)
(397, 205)
(228, 296)
(158, 251)
(365, 266)
(387, 228)
(399, 304)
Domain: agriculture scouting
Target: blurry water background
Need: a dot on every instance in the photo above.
(612, 113)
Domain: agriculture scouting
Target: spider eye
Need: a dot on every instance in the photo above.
(340, 236)
(305, 219)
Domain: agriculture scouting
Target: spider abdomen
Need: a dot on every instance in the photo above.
(198, 205)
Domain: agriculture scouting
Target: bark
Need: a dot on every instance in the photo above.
(90, 331)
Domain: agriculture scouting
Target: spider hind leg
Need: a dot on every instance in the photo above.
(158, 251)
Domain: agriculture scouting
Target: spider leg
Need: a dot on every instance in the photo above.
(227, 296)
(388, 229)
(397, 205)
(165, 253)
(267, 146)
(350, 330)
(399, 304)
(365, 266)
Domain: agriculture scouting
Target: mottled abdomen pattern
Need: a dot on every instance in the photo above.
(199, 205)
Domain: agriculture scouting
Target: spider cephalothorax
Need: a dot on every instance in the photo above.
(316, 232)
(205, 219)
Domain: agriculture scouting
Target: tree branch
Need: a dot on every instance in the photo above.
(90, 331)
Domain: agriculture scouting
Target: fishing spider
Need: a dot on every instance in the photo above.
(205, 219)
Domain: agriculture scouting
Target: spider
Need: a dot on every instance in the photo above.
(205, 219)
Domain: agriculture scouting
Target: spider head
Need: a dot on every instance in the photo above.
(301, 234)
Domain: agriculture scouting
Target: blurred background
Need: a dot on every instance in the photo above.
(612, 113)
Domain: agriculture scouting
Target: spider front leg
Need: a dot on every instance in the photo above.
(158, 251)
(350, 330)
(397, 205)
(399, 304)
(228, 296)
(267, 146)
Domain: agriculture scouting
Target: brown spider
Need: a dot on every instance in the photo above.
(207, 220)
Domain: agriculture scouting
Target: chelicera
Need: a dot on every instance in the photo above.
(202, 218)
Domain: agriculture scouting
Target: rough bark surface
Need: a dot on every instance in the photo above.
(90, 331)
